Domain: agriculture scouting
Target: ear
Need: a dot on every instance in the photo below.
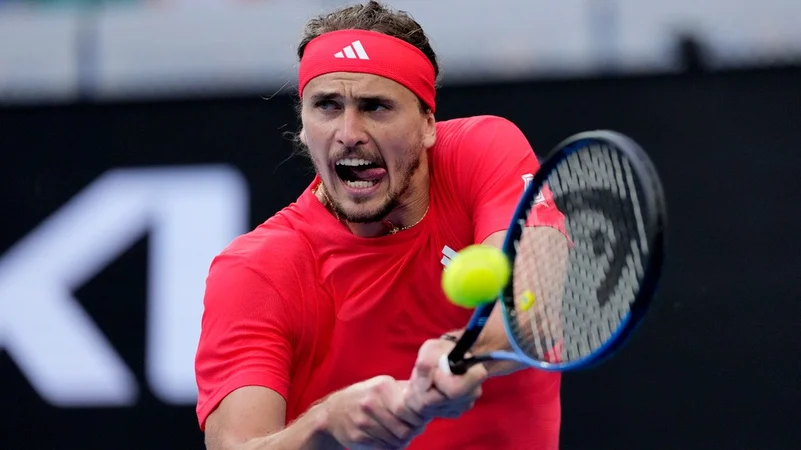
(302, 136)
(430, 131)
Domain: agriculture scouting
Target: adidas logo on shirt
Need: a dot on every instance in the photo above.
(352, 51)
(447, 255)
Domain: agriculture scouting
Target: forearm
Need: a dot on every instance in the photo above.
(308, 432)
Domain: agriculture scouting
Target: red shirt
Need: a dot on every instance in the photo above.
(302, 306)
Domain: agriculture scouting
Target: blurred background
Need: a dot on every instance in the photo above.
(138, 137)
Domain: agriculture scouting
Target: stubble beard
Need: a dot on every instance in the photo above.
(391, 201)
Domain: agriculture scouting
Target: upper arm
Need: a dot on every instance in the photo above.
(496, 160)
(495, 239)
(244, 355)
(245, 413)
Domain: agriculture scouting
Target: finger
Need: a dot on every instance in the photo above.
(455, 386)
(412, 397)
(419, 401)
(392, 414)
(407, 405)
(449, 407)
(432, 403)
(418, 398)
(449, 411)
(427, 360)
(421, 379)
(388, 429)
(371, 433)
(370, 418)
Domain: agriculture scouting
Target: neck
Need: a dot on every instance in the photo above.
(413, 207)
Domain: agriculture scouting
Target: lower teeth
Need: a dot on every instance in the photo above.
(361, 184)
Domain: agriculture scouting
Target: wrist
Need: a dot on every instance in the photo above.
(489, 340)
(321, 423)
(452, 336)
(492, 338)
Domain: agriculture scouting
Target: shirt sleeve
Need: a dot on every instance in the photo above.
(245, 337)
(498, 161)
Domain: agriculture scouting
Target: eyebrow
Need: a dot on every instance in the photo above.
(363, 99)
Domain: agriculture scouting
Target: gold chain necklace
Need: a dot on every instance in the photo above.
(392, 229)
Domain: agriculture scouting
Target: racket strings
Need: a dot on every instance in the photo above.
(582, 290)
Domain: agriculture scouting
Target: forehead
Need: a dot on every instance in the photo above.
(349, 84)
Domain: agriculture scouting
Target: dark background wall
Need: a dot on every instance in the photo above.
(716, 364)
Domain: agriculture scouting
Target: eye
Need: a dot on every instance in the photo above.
(375, 106)
(326, 105)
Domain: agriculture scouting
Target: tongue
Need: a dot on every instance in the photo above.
(368, 174)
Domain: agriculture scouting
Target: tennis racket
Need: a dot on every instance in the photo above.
(576, 295)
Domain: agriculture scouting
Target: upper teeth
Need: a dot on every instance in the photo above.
(353, 162)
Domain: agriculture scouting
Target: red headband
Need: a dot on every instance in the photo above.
(369, 52)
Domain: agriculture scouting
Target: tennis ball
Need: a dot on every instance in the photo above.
(476, 275)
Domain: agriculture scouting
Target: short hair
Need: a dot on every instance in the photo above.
(371, 16)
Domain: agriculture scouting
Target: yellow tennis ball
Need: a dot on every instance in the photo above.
(476, 275)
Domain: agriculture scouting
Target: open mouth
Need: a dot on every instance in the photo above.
(359, 173)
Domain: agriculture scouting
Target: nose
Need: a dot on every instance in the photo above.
(351, 131)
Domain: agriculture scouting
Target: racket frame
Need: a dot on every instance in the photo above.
(457, 361)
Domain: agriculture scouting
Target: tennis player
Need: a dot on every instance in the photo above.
(318, 324)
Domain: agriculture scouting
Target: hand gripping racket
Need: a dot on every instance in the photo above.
(573, 300)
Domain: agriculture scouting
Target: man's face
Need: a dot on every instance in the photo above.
(366, 136)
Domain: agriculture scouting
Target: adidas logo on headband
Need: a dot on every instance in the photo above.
(349, 53)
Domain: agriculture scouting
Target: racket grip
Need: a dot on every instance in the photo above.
(445, 364)
(453, 368)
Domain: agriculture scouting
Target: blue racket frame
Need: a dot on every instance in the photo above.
(656, 216)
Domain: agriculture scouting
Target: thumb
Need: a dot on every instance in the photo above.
(424, 367)
(422, 376)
